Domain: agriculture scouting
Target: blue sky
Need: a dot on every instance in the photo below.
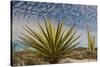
(28, 12)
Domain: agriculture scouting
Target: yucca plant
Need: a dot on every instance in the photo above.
(53, 43)
(91, 43)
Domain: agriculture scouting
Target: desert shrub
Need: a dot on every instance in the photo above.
(52, 44)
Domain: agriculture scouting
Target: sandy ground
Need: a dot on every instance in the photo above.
(69, 60)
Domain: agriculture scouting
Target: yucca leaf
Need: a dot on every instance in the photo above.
(38, 37)
(43, 31)
(48, 33)
(35, 45)
(67, 34)
(70, 48)
(68, 40)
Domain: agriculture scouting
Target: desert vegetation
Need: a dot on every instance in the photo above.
(91, 43)
(52, 44)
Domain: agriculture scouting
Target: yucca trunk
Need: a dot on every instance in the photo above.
(54, 61)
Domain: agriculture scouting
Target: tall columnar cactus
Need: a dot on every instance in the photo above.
(91, 42)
